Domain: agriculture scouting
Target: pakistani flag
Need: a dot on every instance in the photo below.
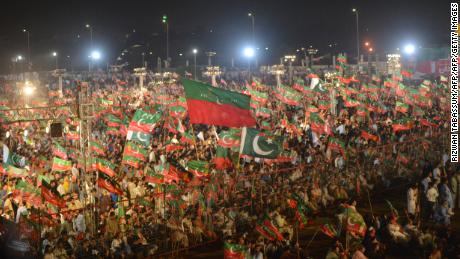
(256, 144)
(138, 136)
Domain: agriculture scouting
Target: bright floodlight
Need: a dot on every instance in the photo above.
(19, 57)
(248, 52)
(354, 10)
(195, 51)
(87, 26)
(96, 55)
(28, 90)
(409, 49)
(54, 54)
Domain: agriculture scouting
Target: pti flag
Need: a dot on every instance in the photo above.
(216, 106)
(256, 144)
(109, 184)
(144, 122)
(61, 165)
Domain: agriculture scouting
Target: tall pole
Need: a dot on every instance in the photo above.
(194, 66)
(253, 34)
(28, 48)
(90, 43)
(165, 21)
(167, 43)
(357, 35)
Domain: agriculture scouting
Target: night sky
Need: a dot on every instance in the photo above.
(221, 26)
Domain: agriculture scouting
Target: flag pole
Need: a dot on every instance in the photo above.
(313, 237)
(194, 141)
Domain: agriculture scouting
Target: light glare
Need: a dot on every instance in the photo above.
(409, 49)
(248, 52)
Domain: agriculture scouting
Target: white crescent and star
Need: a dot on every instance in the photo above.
(255, 146)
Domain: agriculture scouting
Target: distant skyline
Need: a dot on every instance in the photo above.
(220, 26)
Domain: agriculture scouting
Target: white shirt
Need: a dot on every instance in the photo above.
(20, 211)
(432, 194)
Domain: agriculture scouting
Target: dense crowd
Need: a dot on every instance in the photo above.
(384, 133)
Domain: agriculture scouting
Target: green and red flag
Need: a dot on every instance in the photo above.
(177, 111)
(256, 144)
(348, 102)
(199, 168)
(51, 195)
(143, 122)
(130, 160)
(222, 160)
(337, 144)
(216, 106)
(287, 95)
(235, 251)
(353, 221)
(113, 121)
(329, 230)
(257, 96)
(112, 131)
(368, 136)
(105, 166)
(171, 147)
(263, 112)
(317, 124)
(402, 125)
(406, 73)
(187, 137)
(401, 107)
(97, 148)
(105, 102)
(152, 177)
(61, 165)
(133, 150)
(59, 151)
(428, 123)
(106, 182)
(229, 138)
(323, 105)
(361, 111)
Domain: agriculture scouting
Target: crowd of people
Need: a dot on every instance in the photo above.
(375, 133)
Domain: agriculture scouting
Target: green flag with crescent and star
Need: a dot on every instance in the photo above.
(256, 144)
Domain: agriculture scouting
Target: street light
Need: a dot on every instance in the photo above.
(195, 51)
(357, 34)
(19, 58)
(366, 44)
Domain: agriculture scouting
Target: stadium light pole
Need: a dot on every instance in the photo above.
(55, 55)
(253, 18)
(28, 48)
(165, 21)
(195, 51)
(249, 53)
(357, 33)
(90, 43)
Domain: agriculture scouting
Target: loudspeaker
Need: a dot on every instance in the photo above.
(56, 130)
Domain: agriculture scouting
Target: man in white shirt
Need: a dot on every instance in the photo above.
(21, 210)
(432, 196)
